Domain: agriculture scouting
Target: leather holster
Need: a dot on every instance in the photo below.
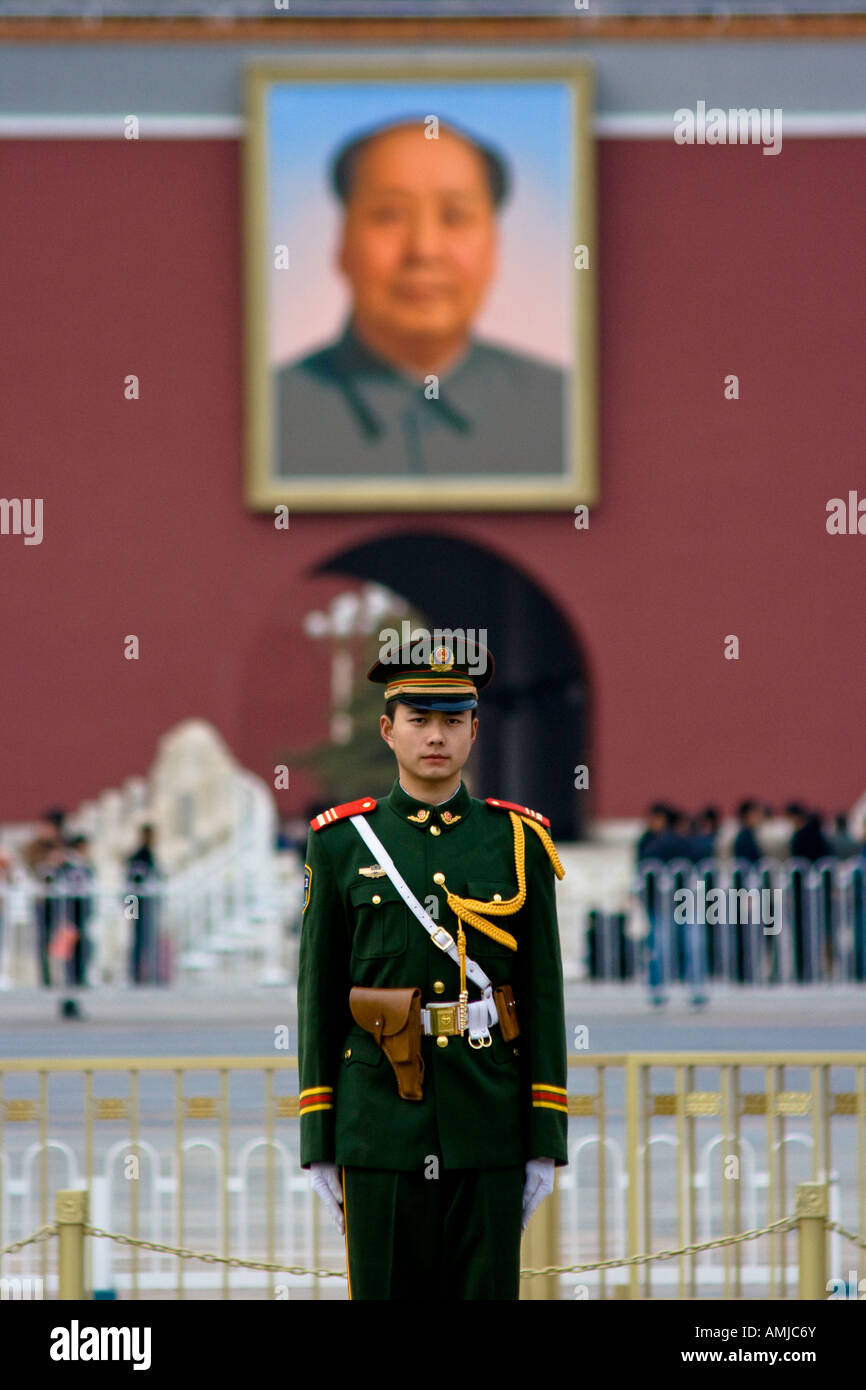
(393, 1018)
(503, 998)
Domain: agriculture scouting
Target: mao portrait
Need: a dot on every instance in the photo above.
(420, 331)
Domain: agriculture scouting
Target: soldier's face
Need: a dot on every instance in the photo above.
(419, 240)
(430, 744)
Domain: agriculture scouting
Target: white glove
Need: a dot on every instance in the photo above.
(538, 1185)
(325, 1182)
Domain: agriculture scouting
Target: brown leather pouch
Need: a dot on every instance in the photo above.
(503, 997)
(393, 1018)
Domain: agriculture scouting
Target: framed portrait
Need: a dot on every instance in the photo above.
(420, 287)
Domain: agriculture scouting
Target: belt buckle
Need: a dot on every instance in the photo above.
(443, 1019)
(446, 939)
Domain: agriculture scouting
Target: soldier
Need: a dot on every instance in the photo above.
(433, 1100)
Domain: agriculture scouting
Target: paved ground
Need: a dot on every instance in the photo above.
(242, 1020)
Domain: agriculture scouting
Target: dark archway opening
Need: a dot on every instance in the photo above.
(534, 717)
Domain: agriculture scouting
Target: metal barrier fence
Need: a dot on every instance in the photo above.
(72, 1226)
(774, 922)
(73, 930)
(681, 1181)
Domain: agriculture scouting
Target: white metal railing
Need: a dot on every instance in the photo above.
(220, 910)
(212, 912)
(774, 922)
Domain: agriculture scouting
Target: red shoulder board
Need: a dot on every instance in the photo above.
(521, 810)
(348, 808)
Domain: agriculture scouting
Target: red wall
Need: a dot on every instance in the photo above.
(126, 258)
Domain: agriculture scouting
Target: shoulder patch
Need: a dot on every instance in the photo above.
(521, 810)
(348, 808)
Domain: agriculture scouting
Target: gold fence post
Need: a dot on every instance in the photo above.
(540, 1249)
(811, 1211)
(71, 1216)
(632, 1167)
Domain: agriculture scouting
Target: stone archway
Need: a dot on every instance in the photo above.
(534, 718)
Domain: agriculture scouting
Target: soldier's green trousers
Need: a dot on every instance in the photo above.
(411, 1236)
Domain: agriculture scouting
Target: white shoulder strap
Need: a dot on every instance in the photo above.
(438, 935)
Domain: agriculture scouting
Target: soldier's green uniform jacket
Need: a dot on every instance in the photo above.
(488, 1107)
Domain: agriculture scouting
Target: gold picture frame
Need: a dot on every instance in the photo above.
(577, 481)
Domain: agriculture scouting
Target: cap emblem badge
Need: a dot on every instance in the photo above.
(442, 659)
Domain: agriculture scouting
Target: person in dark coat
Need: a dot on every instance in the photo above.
(843, 843)
(749, 817)
(44, 857)
(143, 877)
(699, 937)
(808, 840)
(78, 880)
(662, 842)
(705, 830)
(656, 823)
(745, 851)
(809, 843)
(674, 840)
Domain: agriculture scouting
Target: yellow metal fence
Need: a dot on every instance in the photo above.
(669, 1152)
(714, 1143)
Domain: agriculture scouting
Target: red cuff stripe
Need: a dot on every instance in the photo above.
(321, 1100)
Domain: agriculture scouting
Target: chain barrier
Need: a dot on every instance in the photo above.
(213, 1259)
(849, 1235)
(41, 1233)
(786, 1223)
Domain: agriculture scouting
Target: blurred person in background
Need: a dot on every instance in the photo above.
(655, 825)
(143, 881)
(5, 879)
(44, 857)
(667, 835)
(699, 937)
(809, 843)
(843, 844)
(746, 847)
(78, 877)
(745, 851)
(662, 843)
(656, 822)
(704, 834)
(683, 831)
(292, 834)
(808, 840)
